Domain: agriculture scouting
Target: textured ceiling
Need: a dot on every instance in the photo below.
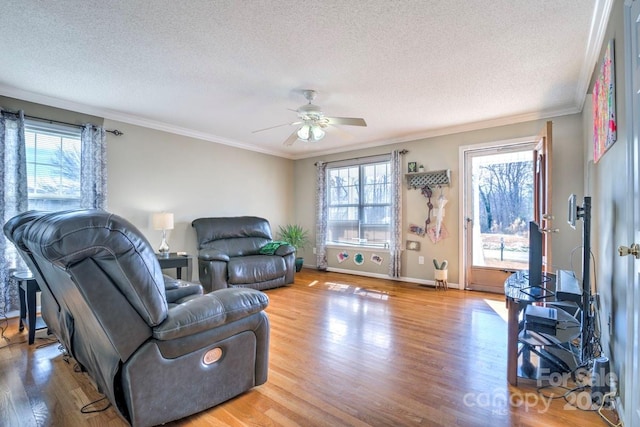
(219, 69)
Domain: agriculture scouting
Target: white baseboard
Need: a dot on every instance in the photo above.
(12, 314)
(384, 276)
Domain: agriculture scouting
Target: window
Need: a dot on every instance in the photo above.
(359, 203)
(53, 166)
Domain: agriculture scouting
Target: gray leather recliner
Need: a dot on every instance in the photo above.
(229, 254)
(155, 361)
(53, 311)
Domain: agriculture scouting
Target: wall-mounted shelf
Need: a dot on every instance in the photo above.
(431, 178)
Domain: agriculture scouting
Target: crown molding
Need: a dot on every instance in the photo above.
(599, 21)
(129, 119)
(165, 127)
(450, 130)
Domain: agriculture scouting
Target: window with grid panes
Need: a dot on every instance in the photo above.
(53, 165)
(359, 203)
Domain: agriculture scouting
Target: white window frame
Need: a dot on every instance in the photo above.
(360, 241)
(52, 201)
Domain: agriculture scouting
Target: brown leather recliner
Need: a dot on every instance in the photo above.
(155, 361)
(229, 254)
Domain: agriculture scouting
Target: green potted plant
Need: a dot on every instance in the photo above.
(296, 236)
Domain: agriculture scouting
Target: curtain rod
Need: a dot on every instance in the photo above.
(403, 152)
(116, 132)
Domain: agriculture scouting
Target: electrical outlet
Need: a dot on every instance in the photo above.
(420, 260)
(314, 251)
(610, 323)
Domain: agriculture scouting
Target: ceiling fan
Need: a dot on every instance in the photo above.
(313, 121)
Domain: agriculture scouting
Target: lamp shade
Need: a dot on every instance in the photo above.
(162, 221)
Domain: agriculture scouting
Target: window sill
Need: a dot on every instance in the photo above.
(362, 247)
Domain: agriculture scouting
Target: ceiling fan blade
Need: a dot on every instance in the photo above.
(277, 126)
(343, 133)
(351, 121)
(292, 138)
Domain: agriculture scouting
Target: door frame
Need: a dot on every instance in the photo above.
(630, 409)
(463, 249)
(542, 188)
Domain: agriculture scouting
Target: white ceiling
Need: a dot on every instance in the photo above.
(218, 70)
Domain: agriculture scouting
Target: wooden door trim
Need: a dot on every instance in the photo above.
(542, 190)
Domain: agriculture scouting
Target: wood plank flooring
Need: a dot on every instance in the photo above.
(345, 351)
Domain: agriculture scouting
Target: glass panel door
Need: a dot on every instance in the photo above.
(503, 206)
(498, 207)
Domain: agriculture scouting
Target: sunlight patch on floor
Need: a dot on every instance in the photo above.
(499, 307)
(315, 282)
(356, 290)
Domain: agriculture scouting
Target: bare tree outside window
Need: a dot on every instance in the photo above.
(358, 205)
(53, 170)
(503, 194)
(505, 191)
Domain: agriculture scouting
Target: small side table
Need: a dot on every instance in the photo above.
(178, 262)
(27, 291)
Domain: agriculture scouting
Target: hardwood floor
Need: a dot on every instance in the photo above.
(345, 350)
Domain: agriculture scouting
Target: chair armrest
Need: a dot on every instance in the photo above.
(184, 289)
(175, 289)
(209, 311)
(212, 255)
(284, 250)
(170, 282)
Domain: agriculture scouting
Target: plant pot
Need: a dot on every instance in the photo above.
(299, 262)
(441, 275)
(441, 279)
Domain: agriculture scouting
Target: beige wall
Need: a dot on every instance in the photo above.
(443, 153)
(151, 171)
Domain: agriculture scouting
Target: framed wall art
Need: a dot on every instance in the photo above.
(413, 245)
(416, 229)
(604, 105)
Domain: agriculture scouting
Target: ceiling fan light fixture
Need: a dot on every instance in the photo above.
(317, 133)
(312, 122)
(311, 132)
(304, 132)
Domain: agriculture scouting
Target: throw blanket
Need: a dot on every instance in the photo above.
(271, 247)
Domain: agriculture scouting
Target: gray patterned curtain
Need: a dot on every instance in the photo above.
(395, 244)
(321, 215)
(13, 192)
(93, 169)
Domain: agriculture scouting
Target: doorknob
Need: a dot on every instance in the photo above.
(634, 250)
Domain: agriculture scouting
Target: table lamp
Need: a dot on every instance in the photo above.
(163, 221)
